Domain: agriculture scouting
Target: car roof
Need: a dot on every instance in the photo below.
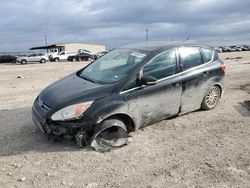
(158, 45)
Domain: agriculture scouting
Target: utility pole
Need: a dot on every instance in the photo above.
(173, 38)
(146, 35)
(46, 43)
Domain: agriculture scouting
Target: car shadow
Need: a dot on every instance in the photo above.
(242, 109)
(19, 135)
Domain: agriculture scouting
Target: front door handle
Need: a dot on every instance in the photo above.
(175, 84)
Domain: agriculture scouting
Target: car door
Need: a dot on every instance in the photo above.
(62, 56)
(38, 57)
(153, 103)
(84, 56)
(31, 57)
(194, 78)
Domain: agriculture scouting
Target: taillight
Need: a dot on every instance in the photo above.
(223, 67)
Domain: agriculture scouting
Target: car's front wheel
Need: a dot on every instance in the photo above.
(90, 59)
(211, 98)
(24, 61)
(42, 61)
(110, 133)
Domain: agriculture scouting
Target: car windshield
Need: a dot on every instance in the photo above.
(113, 66)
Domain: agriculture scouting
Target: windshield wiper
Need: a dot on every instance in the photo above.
(88, 79)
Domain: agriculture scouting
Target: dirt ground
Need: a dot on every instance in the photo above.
(199, 149)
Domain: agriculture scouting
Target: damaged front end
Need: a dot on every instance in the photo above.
(102, 137)
(63, 129)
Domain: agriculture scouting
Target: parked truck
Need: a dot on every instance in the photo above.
(61, 56)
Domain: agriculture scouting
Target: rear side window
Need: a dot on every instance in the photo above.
(208, 54)
(190, 57)
(161, 66)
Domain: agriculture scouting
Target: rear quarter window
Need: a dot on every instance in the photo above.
(208, 54)
(216, 56)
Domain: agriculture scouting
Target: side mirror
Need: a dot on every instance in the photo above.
(148, 80)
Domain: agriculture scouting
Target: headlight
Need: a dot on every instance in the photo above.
(71, 112)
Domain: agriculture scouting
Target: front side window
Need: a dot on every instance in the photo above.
(162, 65)
(132, 83)
(190, 57)
(114, 66)
(208, 54)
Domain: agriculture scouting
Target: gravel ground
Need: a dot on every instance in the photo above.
(199, 149)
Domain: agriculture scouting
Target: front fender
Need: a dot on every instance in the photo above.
(106, 108)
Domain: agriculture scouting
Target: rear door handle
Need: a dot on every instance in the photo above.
(204, 74)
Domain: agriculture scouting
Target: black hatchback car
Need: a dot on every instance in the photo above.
(81, 57)
(128, 88)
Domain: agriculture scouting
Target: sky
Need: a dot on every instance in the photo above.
(24, 23)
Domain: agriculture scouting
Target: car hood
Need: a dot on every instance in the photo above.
(72, 90)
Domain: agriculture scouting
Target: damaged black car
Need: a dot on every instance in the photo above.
(128, 88)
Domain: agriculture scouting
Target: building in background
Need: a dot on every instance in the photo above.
(72, 47)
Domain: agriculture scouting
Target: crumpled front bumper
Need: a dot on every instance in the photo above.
(40, 123)
(59, 128)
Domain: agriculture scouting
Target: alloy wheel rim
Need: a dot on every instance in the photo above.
(212, 96)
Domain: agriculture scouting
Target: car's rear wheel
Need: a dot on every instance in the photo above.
(211, 98)
(56, 59)
(43, 61)
(24, 61)
(110, 133)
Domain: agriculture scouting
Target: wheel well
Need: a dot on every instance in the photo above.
(218, 85)
(127, 120)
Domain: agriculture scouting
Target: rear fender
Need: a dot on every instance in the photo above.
(215, 81)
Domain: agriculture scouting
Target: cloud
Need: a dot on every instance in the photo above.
(114, 23)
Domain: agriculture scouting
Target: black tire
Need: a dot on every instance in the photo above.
(211, 98)
(43, 61)
(23, 61)
(109, 134)
(57, 59)
(90, 59)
